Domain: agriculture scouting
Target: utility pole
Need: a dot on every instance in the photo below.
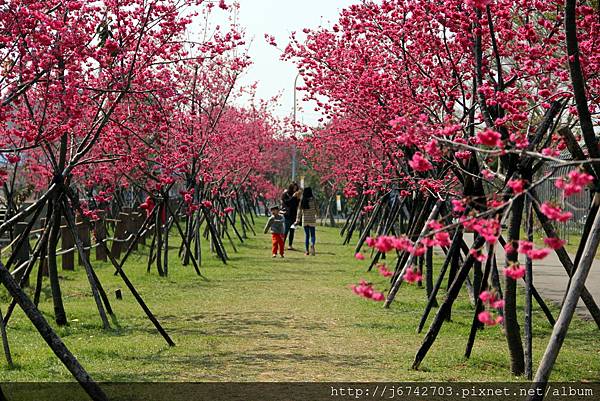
(294, 150)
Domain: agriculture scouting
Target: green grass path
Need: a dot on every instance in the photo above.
(264, 319)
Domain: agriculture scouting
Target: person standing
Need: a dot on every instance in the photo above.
(276, 224)
(291, 201)
(307, 216)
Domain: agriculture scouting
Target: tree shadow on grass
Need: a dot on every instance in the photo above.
(255, 325)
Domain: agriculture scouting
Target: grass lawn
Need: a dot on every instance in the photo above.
(264, 319)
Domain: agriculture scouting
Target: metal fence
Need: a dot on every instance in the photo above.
(578, 204)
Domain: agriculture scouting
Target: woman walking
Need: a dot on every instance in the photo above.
(307, 216)
(291, 201)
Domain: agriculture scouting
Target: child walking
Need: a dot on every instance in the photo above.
(277, 225)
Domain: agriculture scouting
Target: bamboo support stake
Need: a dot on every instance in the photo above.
(567, 311)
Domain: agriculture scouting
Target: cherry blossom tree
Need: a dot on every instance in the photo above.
(457, 109)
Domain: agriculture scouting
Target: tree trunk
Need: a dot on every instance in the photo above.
(528, 297)
(511, 323)
(60, 315)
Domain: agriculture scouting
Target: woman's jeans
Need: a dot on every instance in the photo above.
(310, 233)
(289, 233)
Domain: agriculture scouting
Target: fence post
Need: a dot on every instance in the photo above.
(120, 229)
(67, 242)
(83, 231)
(100, 229)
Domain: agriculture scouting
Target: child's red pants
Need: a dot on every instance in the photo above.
(278, 243)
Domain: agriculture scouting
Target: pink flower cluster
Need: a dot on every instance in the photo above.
(554, 243)
(458, 205)
(476, 253)
(188, 196)
(480, 4)
(487, 228)
(489, 137)
(384, 271)
(517, 185)
(514, 271)
(12, 158)
(576, 182)
(440, 238)
(490, 299)
(365, 290)
(555, 212)
(488, 319)
(526, 248)
(91, 214)
(387, 243)
(368, 208)
(412, 275)
(420, 163)
(102, 197)
(148, 205)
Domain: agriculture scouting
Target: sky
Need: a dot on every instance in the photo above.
(280, 18)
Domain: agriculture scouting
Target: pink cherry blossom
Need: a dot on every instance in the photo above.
(537, 254)
(577, 180)
(370, 242)
(480, 257)
(487, 297)
(516, 185)
(365, 290)
(514, 271)
(554, 212)
(525, 246)
(378, 296)
(12, 158)
(554, 243)
(458, 205)
(486, 318)
(384, 271)
(489, 138)
(384, 244)
(499, 304)
(412, 275)
(420, 163)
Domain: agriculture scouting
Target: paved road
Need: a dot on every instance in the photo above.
(551, 279)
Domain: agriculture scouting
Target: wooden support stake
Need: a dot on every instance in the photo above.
(83, 231)
(88, 267)
(53, 340)
(567, 311)
(442, 312)
(67, 242)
